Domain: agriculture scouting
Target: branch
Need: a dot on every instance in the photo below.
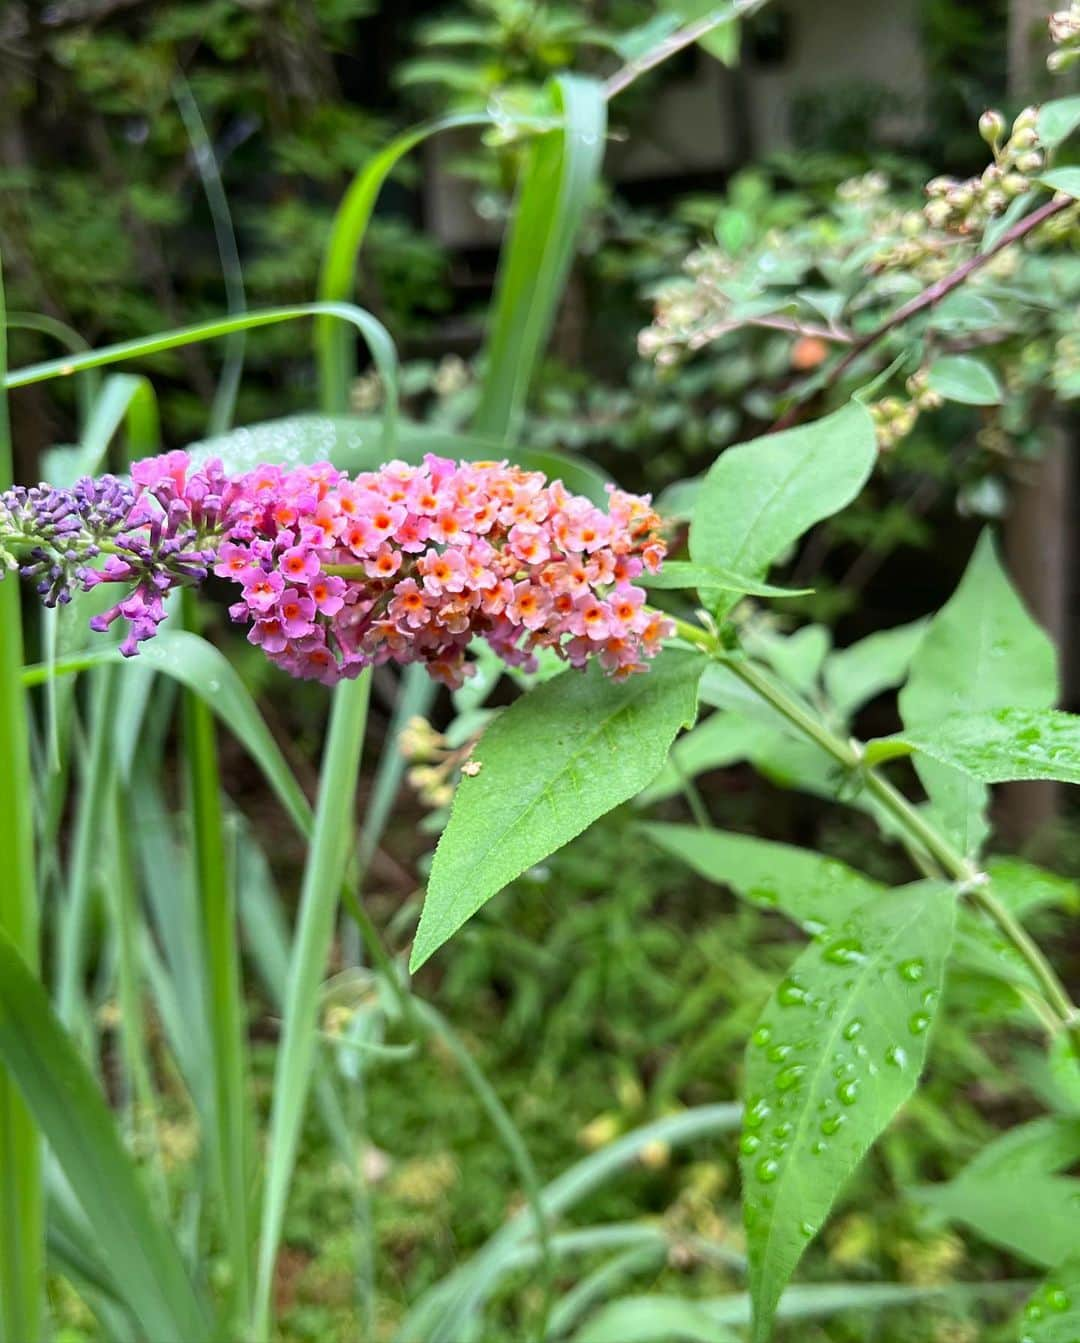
(932, 296)
(685, 37)
(834, 334)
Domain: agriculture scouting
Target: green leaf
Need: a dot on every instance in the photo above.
(561, 173)
(1058, 120)
(1003, 745)
(1066, 180)
(959, 377)
(354, 443)
(69, 1109)
(557, 759)
(760, 497)
(678, 574)
(982, 651)
(650, 1319)
(1022, 887)
(855, 675)
(838, 1050)
(814, 891)
(1029, 1213)
(1053, 1313)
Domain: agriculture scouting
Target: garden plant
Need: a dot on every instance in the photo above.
(638, 652)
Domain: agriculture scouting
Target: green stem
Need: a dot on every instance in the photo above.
(911, 822)
(230, 1120)
(22, 1215)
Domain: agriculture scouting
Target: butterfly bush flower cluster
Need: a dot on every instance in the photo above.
(405, 564)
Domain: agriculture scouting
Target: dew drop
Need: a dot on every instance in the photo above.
(819, 1148)
(807, 1229)
(757, 1114)
(789, 1077)
(847, 951)
(762, 1036)
(912, 970)
(749, 1143)
(896, 1056)
(767, 1170)
(778, 1053)
(918, 1023)
(832, 1124)
(790, 993)
(847, 1093)
(852, 1029)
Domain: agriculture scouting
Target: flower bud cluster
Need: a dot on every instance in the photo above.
(434, 762)
(965, 207)
(152, 536)
(1065, 34)
(410, 563)
(894, 418)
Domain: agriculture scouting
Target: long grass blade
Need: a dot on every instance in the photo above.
(338, 275)
(65, 1101)
(370, 328)
(22, 1216)
(324, 874)
(557, 184)
(224, 406)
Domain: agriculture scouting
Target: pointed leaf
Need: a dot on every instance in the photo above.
(677, 574)
(958, 377)
(1066, 180)
(557, 759)
(760, 497)
(982, 651)
(838, 1050)
(1058, 120)
(815, 891)
(1001, 746)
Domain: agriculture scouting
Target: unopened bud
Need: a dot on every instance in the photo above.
(1029, 163)
(992, 127)
(1026, 121)
(1015, 184)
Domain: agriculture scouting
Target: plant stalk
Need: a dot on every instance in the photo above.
(972, 883)
(22, 1207)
